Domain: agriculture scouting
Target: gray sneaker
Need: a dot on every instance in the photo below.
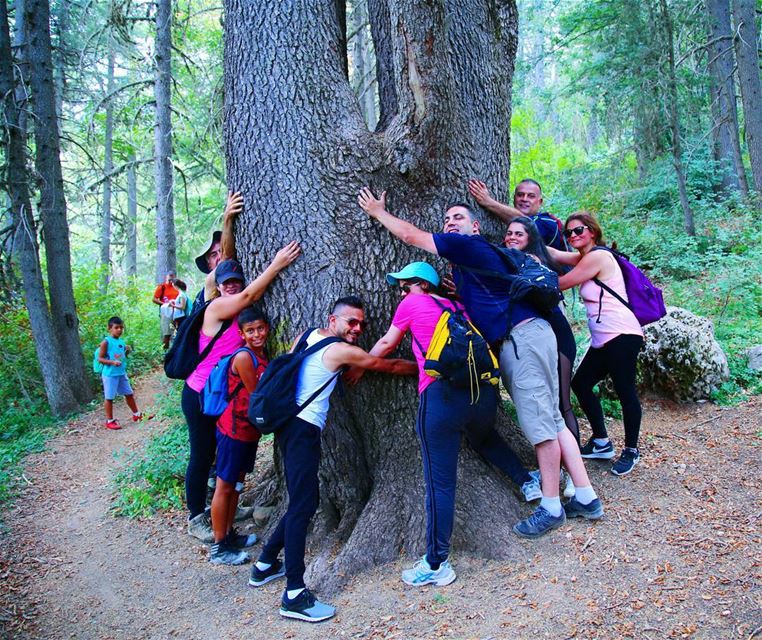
(567, 484)
(531, 489)
(200, 527)
(223, 553)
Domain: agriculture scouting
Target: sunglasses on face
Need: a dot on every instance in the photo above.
(577, 231)
(354, 323)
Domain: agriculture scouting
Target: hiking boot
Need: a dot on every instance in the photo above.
(223, 553)
(539, 523)
(592, 511)
(113, 425)
(241, 513)
(627, 461)
(531, 489)
(240, 540)
(592, 450)
(422, 574)
(305, 607)
(200, 527)
(263, 576)
(568, 485)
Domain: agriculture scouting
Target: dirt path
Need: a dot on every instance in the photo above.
(677, 556)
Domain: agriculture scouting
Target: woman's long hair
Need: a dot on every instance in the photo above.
(535, 245)
(591, 223)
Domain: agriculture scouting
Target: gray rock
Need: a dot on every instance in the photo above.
(681, 358)
(754, 358)
(262, 515)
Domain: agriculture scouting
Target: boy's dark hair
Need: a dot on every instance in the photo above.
(252, 314)
(114, 320)
(347, 301)
(179, 284)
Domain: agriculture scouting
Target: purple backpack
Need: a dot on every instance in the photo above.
(645, 299)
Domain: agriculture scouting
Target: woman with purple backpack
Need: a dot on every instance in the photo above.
(616, 338)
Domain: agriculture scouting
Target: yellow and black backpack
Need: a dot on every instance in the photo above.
(458, 353)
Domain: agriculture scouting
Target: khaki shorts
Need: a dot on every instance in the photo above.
(166, 326)
(532, 379)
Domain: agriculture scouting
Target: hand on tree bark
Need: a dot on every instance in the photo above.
(233, 206)
(352, 375)
(370, 204)
(479, 192)
(286, 255)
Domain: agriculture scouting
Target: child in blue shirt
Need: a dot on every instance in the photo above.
(113, 356)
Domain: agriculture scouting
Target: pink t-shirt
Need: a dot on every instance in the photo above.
(419, 313)
(228, 342)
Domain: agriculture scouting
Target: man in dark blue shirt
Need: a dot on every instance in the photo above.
(527, 361)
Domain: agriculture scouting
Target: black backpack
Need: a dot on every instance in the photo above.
(273, 405)
(183, 357)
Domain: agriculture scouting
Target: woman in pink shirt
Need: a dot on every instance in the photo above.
(616, 339)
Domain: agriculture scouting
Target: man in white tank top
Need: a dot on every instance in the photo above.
(299, 443)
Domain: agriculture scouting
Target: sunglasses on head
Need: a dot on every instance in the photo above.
(354, 323)
(577, 231)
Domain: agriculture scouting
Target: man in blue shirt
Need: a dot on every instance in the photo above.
(527, 361)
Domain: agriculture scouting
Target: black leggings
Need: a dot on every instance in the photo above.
(202, 435)
(567, 351)
(617, 359)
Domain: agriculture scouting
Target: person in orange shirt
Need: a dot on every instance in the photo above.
(162, 295)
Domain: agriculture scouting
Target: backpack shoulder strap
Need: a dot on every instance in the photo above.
(207, 349)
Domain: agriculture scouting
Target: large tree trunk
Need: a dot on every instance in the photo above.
(725, 112)
(108, 167)
(747, 57)
(55, 226)
(131, 253)
(299, 150)
(164, 174)
(54, 374)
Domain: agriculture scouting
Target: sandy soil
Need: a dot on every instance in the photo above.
(678, 554)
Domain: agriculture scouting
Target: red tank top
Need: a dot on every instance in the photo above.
(234, 421)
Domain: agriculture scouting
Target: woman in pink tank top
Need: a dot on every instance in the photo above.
(616, 339)
(234, 297)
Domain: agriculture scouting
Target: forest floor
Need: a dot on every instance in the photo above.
(678, 554)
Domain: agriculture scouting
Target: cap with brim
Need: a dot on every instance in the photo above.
(201, 263)
(228, 270)
(422, 270)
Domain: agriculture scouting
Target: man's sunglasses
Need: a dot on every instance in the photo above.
(354, 323)
(577, 231)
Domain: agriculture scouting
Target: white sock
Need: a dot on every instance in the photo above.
(292, 593)
(136, 413)
(262, 566)
(585, 495)
(601, 442)
(552, 505)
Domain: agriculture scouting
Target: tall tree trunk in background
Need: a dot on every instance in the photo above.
(383, 43)
(674, 120)
(163, 171)
(20, 46)
(131, 253)
(747, 58)
(298, 148)
(54, 374)
(724, 109)
(108, 166)
(61, 52)
(363, 76)
(52, 206)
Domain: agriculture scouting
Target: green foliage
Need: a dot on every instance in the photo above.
(152, 479)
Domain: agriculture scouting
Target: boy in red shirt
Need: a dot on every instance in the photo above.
(237, 440)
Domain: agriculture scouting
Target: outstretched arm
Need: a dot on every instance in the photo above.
(564, 257)
(233, 208)
(408, 233)
(381, 349)
(589, 267)
(482, 195)
(347, 355)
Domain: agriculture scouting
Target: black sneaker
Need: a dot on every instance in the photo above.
(306, 607)
(575, 509)
(627, 461)
(223, 553)
(260, 576)
(241, 540)
(592, 450)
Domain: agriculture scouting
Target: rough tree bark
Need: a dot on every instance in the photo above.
(163, 171)
(131, 253)
(747, 57)
(299, 150)
(725, 111)
(54, 374)
(108, 166)
(52, 206)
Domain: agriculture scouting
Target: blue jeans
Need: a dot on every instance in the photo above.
(299, 443)
(444, 414)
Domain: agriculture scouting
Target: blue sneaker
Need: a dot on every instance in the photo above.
(422, 574)
(592, 511)
(539, 523)
(305, 607)
(592, 450)
(626, 463)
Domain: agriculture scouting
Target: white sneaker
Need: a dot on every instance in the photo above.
(531, 489)
(421, 574)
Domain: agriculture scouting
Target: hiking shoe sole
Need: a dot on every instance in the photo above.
(264, 581)
(296, 615)
(599, 455)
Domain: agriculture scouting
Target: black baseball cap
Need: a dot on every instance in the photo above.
(228, 270)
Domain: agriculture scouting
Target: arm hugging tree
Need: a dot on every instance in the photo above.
(299, 151)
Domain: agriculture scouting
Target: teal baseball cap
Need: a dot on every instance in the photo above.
(421, 270)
